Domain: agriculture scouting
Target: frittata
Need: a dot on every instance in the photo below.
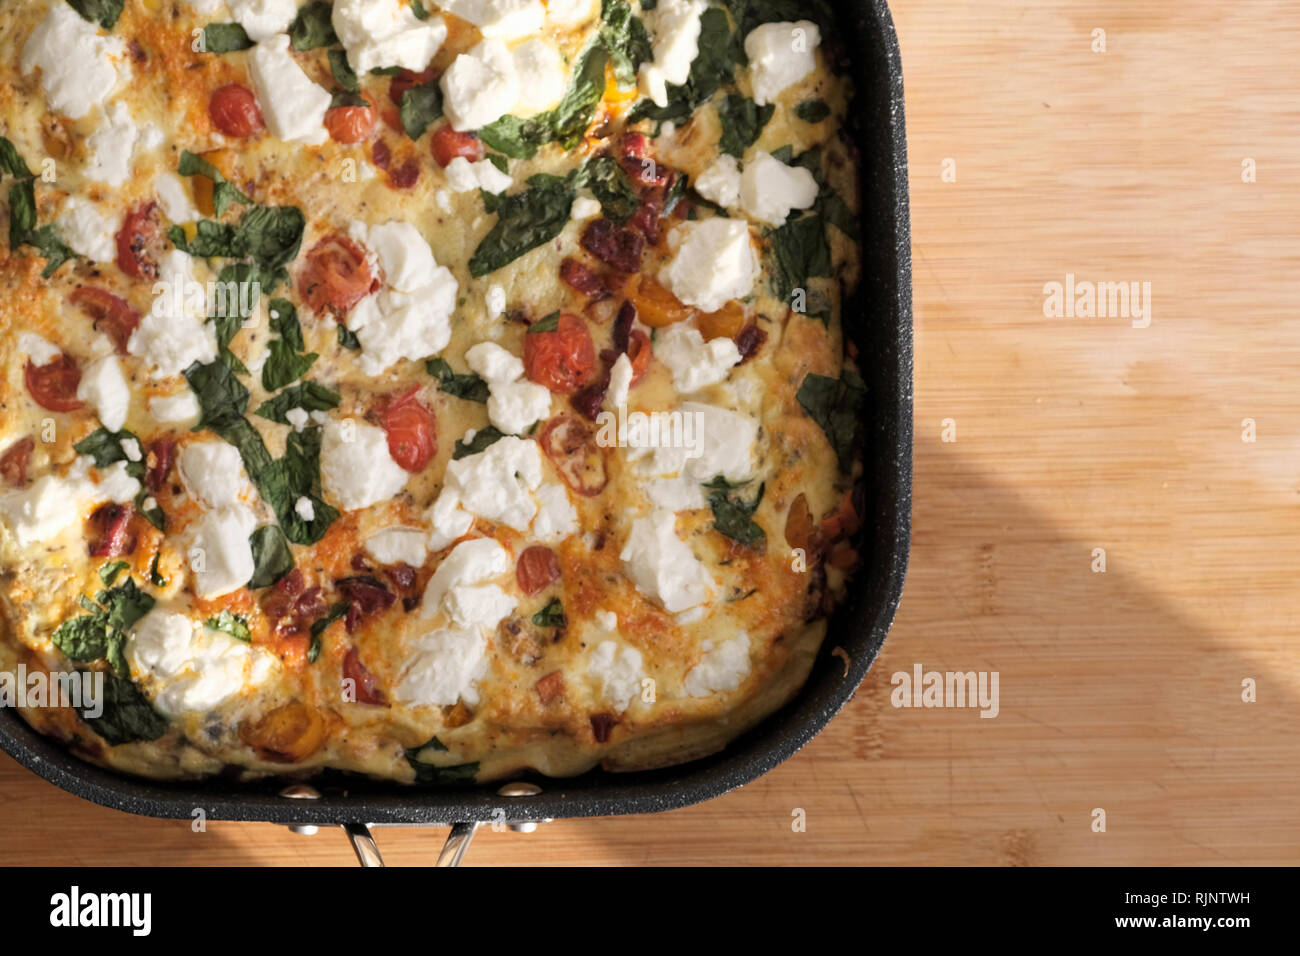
(431, 391)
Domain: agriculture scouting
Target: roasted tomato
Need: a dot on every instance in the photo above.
(614, 245)
(13, 463)
(363, 682)
(336, 275)
(235, 112)
(537, 568)
(54, 385)
(447, 144)
(110, 535)
(289, 734)
(639, 354)
(655, 305)
(412, 430)
(571, 446)
(140, 242)
(108, 313)
(350, 124)
(726, 323)
(800, 529)
(562, 359)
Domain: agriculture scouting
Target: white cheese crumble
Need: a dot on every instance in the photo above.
(694, 363)
(714, 263)
(174, 333)
(500, 19)
(443, 668)
(480, 86)
(556, 516)
(542, 77)
(620, 383)
(356, 468)
(724, 447)
(103, 387)
(458, 587)
(721, 668)
(410, 316)
(385, 33)
(780, 55)
(131, 448)
(50, 505)
(513, 404)
(175, 198)
(496, 301)
(79, 67)
(464, 176)
(88, 231)
(38, 348)
(293, 106)
(111, 146)
(220, 554)
(493, 485)
(572, 13)
(675, 25)
(298, 418)
(662, 565)
(263, 19)
(616, 671)
(720, 183)
(769, 189)
(188, 669)
(398, 546)
(584, 208)
(181, 407)
(304, 509)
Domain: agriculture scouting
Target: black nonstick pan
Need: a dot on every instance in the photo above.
(880, 324)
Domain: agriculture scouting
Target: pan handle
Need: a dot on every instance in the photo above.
(363, 844)
(367, 851)
(457, 843)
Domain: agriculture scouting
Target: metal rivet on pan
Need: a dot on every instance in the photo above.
(521, 788)
(301, 791)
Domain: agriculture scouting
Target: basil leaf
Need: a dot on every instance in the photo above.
(548, 324)
(482, 439)
(272, 558)
(418, 9)
(733, 516)
(469, 387)
(318, 629)
(342, 71)
(752, 13)
(348, 339)
(11, 162)
(155, 577)
(525, 221)
(103, 12)
(625, 39)
(714, 67)
(800, 252)
(232, 624)
(297, 475)
(426, 773)
(127, 714)
(309, 396)
(23, 231)
(521, 138)
(605, 177)
(225, 38)
(812, 111)
(269, 234)
(109, 572)
(222, 397)
(223, 191)
(552, 615)
(830, 204)
(836, 405)
(104, 447)
(284, 365)
(312, 29)
(102, 634)
(420, 107)
(742, 123)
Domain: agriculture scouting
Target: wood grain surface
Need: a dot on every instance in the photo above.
(1118, 690)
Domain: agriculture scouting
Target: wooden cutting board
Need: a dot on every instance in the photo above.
(1119, 690)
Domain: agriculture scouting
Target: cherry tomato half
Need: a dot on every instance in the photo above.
(108, 313)
(412, 431)
(336, 275)
(235, 112)
(562, 359)
(54, 385)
